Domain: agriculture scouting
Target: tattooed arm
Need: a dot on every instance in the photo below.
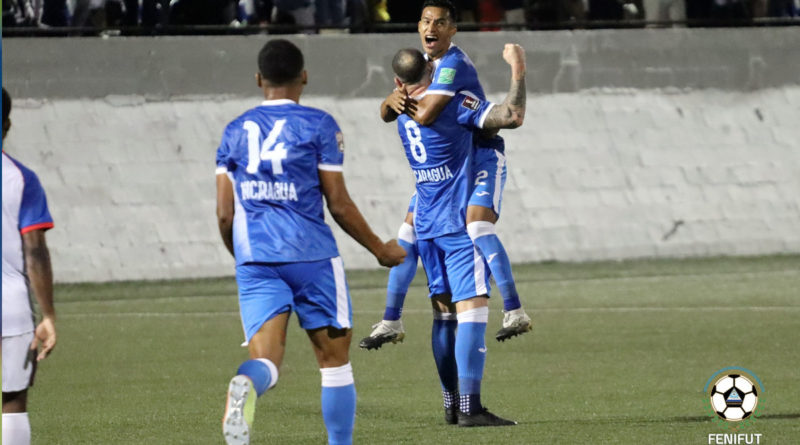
(40, 274)
(510, 113)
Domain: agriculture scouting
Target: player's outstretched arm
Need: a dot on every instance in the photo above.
(349, 218)
(225, 210)
(40, 274)
(510, 113)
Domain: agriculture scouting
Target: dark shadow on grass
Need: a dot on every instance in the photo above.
(629, 420)
(780, 416)
(639, 420)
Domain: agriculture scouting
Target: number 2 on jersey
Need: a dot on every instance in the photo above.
(266, 152)
(415, 140)
(480, 176)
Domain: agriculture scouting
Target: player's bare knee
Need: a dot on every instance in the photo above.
(442, 303)
(477, 213)
(272, 352)
(331, 346)
(15, 402)
(334, 356)
(472, 303)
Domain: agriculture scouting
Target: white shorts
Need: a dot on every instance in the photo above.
(19, 362)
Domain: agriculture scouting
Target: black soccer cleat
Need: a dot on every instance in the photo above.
(482, 418)
(384, 332)
(451, 416)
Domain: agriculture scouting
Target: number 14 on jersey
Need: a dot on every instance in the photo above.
(268, 151)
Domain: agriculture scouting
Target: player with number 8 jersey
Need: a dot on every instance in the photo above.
(296, 147)
(454, 75)
(441, 156)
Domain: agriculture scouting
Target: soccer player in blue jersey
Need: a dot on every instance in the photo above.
(454, 73)
(275, 164)
(441, 157)
(26, 270)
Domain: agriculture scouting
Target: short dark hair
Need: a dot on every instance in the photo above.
(446, 4)
(280, 62)
(6, 105)
(409, 65)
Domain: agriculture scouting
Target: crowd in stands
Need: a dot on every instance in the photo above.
(310, 15)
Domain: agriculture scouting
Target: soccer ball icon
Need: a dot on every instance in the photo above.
(734, 397)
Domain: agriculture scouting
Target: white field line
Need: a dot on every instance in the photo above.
(534, 311)
(624, 279)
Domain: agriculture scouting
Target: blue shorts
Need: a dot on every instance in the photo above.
(490, 172)
(454, 266)
(489, 168)
(316, 290)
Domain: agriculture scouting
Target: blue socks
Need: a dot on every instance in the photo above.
(262, 372)
(443, 340)
(338, 395)
(339, 404)
(401, 276)
(483, 236)
(471, 357)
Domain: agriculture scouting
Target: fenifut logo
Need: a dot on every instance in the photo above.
(735, 396)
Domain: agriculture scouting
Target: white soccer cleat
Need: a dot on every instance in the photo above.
(239, 411)
(515, 322)
(383, 332)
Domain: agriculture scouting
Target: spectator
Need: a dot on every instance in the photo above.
(490, 11)
(297, 12)
(203, 12)
(546, 13)
(357, 15)
(379, 10)
(514, 12)
(89, 13)
(759, 8)
(698, 10)
(404, 11)
(55, 13)
(467, 10)
(730, 10)
(784, 8)
(155, 13)
(18, 13)
(41, 13)
(330, 12)
(104, 13)
(616, 10)
(665, 10)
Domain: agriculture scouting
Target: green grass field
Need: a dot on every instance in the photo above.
(620, 353)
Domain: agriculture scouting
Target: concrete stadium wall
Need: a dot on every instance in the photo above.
(637, 143)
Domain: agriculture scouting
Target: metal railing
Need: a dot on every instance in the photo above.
(31, 31)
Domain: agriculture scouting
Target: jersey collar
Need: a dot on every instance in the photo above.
(269, 103)
(439, 60)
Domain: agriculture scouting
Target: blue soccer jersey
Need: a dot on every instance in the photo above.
(454, 73)
(440, 156)
(272, 154)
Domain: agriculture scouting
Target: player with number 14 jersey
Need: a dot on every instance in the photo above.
(264, 191)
